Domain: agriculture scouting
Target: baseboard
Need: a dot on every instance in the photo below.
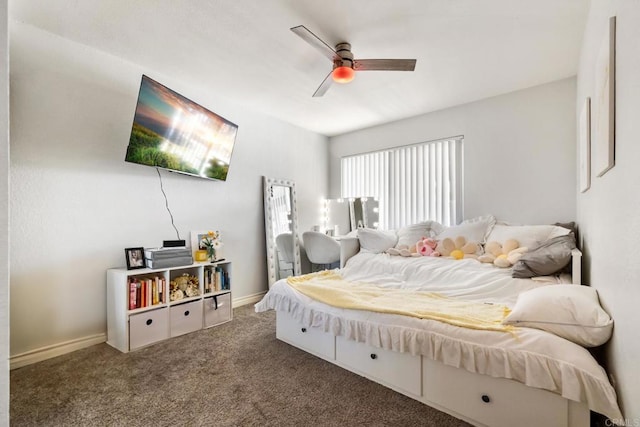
(44, 353)
(40, 354)
(249, 299)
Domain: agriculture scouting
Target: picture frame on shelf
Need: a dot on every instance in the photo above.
(134, 258)
(604, 102)
(584, 141)
(200, 252)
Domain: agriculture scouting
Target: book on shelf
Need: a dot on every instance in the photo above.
(138, 294)
(218, 282)
(154, 291)
(226, 280)
(132, 295)
(143, 292)
(208, 280)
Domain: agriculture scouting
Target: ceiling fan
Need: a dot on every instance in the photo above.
(344, 66)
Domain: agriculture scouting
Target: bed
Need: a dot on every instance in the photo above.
(527, 377)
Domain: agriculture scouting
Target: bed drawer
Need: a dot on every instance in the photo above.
(313, 340)
(398, 370)
(186, 318)
(148, 327)
(496, 402)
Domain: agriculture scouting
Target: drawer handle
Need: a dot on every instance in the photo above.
(186, 313)
(374, 356)
(303, 330)
(485, 398)
(149, 321)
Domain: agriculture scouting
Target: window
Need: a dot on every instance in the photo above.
(412, 183)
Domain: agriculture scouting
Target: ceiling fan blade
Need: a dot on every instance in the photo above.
(324, 86)
(384, 64)
(315, 41)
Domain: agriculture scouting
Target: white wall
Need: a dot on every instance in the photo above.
(75, 203)
(519, 151)
(4, 216)
(609, 212)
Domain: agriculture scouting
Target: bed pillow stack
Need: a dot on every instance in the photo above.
(376, 241)
(549, 247)
(528, 236)
(408, 236)
(473, 230)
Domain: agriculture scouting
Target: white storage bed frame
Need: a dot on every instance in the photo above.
(480, 400)
(477, 399)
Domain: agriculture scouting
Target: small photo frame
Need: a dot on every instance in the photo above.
(197, 250)
(196, 239)
(134, 257)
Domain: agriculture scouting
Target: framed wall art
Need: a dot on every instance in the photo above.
(584, 141)
(604, 108)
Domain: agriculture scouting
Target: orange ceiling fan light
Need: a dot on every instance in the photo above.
(343, 74)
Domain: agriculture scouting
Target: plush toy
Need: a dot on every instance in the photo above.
(502, 256)
(403, 250)
(427, 247)
(458, 248)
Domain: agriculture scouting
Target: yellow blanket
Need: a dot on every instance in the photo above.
(330, 288)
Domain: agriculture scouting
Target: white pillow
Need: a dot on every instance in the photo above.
(569, 311)
(529, 236)
(409, 235)
(474, 230)
(376, 241)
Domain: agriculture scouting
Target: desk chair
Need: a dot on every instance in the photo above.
(322, 250)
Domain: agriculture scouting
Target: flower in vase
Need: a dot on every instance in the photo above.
(211, 242)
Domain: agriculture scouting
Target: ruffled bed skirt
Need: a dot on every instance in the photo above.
(534, 369)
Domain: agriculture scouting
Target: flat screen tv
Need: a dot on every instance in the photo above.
(174, 133)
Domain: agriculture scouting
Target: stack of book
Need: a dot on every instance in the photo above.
(167, 257)
(216, 279)
(145, 292)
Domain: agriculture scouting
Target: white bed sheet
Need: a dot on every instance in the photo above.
(536, 358)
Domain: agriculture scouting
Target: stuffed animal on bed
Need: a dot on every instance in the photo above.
(457, 248)
(403, 250)
(502, 256)
(424, 247)
(427, 247)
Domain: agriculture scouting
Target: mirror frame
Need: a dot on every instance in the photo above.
(268, 215)
(364, 202)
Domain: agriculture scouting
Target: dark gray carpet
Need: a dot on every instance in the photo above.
(236, 374)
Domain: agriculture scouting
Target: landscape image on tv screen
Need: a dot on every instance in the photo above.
(171, 132)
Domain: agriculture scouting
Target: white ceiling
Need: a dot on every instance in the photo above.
(243, 49)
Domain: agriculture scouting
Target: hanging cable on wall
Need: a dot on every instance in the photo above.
(166, 203)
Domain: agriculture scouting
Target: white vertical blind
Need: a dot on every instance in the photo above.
(412, 183)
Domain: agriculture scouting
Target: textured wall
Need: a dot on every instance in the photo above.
(519, 151)
(609, 212)
(75, 203)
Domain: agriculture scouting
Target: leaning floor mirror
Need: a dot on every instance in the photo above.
(281, 229)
